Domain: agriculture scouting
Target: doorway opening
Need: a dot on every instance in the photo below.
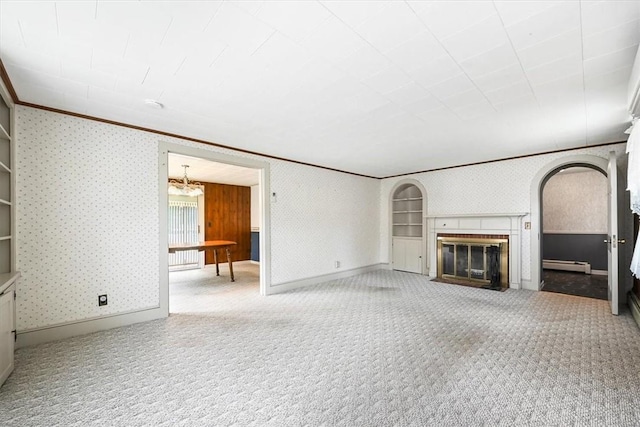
(574, 217)
(226, 209)
(214, 229)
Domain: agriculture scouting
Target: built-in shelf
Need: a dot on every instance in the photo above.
(8, 275)
(407, 230)
(403, 199)
(4, 134)
(6, 279)
(7, 220)
(407, 211)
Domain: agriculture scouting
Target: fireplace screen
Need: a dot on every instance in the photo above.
(474, 259)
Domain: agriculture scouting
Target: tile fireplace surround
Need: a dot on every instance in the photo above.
(480, 224)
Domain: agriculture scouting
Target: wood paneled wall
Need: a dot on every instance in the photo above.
(227, 216)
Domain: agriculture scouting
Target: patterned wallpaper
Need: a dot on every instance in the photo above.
(87, 218)
(321, 217)
(87, 214)
(498, 187)
(575, 202)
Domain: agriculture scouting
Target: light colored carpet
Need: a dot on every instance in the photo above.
(383, 348)
(201, 291)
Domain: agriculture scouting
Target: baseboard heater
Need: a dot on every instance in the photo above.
(579, 266)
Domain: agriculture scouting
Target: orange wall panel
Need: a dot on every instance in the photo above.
(227, 213)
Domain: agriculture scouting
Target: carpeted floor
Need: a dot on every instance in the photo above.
(378, 349)
(200, 290)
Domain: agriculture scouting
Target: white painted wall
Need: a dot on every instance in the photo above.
(88, 219)
(497, 187)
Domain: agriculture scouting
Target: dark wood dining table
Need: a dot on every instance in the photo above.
(213, 245)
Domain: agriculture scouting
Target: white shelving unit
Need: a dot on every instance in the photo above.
(8, 275)
(407, 211)
(6, 186)
(406, 214)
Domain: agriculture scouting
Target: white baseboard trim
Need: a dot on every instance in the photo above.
(82, 327)
(600, 272)
(634, 305)
(295, 284)
(527, 285)
(185, 268)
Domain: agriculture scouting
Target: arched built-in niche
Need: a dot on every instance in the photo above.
(408, 206)
(537, 184)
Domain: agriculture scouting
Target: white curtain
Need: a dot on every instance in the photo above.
(633, 185)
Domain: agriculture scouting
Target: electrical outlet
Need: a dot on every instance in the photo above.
(102, 300)
(337, 264)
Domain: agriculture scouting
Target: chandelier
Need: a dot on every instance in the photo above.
(185, 187)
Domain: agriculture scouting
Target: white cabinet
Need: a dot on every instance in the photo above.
(7, 325)
(407, 254)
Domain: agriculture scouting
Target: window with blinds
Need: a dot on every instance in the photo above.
(183, 228)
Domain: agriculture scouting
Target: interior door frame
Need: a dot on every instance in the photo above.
(537, 184)
(164, 149)
(613, 234)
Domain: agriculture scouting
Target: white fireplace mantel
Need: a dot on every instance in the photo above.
(482, 215)
(485, 223)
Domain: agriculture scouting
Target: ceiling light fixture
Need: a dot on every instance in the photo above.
(185, 187)
(152, 103)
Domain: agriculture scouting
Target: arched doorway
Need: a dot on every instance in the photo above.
(574, 218)
(408, 205)
(537, 185)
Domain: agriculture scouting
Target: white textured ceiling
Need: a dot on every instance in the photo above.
(207, 171)
(371, 87)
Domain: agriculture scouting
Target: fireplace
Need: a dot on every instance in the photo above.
(477, 259)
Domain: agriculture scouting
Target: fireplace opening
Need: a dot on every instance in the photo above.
(477, 260)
